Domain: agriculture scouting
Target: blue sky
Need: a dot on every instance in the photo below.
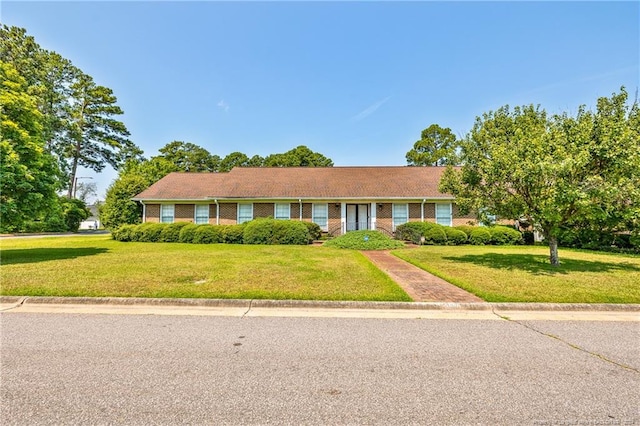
(356, 81)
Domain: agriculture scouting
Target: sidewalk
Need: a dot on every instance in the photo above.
(420, 285)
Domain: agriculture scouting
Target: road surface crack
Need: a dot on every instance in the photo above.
(571, 345)
(17, 305)
(248, 309)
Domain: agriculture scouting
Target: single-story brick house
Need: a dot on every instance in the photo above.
(339, 199)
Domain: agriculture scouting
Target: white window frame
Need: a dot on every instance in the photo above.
(165, 209)
(449, 214)
(282, 217)
(198, 219)
(245, 218)
(396, 209)
(324, 225)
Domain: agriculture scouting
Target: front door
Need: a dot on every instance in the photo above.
(357, 217)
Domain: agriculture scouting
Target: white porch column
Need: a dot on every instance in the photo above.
(343, 217)
(373, 216)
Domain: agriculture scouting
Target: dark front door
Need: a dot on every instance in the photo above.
(357, 217)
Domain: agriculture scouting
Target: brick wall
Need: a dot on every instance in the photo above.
(384, 214)
(430, 212)
(153, 213)
(263, 210)
(228, 213)
(306, 211)
(459, 219)
(184, 213)
(415, 211)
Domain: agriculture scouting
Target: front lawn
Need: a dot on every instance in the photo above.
(98, 266)
(523, 273)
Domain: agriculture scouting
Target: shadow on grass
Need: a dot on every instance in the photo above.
(35, 255)
(539, 264)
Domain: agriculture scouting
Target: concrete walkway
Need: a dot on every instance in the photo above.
(419, 284)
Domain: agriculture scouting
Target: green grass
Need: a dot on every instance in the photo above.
(98, 266)
(523, 273)
(364, 240)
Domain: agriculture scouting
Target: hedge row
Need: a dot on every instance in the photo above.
(432, 233)
(259, 231)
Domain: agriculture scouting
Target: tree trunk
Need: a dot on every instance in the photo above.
(553, 251)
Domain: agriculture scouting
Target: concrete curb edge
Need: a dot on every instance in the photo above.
(319, 304)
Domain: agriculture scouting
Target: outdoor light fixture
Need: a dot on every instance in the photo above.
(337, 205)
(380, 205)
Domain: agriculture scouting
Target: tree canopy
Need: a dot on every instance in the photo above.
(29, 177)
(554, 171)
(78, 124)
(437, 147)
(55, 118)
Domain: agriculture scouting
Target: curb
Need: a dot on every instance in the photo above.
(320, 304)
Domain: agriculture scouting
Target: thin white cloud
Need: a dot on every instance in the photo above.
(369, 110)
(223, 105)
(559, 84)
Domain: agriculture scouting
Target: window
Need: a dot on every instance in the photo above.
(282, 211)
(245, 212)
(202, 213)
(400, 214)
(167, 213)
(443, 214)
(320, 215)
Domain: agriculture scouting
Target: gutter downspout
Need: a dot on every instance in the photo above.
(144, 212)
(422, 210)
(300, 201)
(217, 212)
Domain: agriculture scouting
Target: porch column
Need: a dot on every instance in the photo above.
(343, 217)
(373, 216)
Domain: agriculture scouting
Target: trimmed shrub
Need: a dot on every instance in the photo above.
(258, 231)
(413, 231)
(455, 237)
(150, 232)
(207, 234)
(272, 231)
(634, 241)
(171, 232)
(435, 235)
(290, 232)
(187, 233)
(314, 230)
(410, 231)
(123, 233)
(233, 234)
(364, 240)
(504, 235)
(480, 236)
(467, 229)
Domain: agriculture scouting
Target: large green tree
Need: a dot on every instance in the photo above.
(189, 157)
(555, 171)
(136, 176)
(78, 124)
(437, 147)
(95, 137)
(29, 177)
(300, 156)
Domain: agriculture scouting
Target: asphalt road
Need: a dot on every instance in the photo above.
(137, 369)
